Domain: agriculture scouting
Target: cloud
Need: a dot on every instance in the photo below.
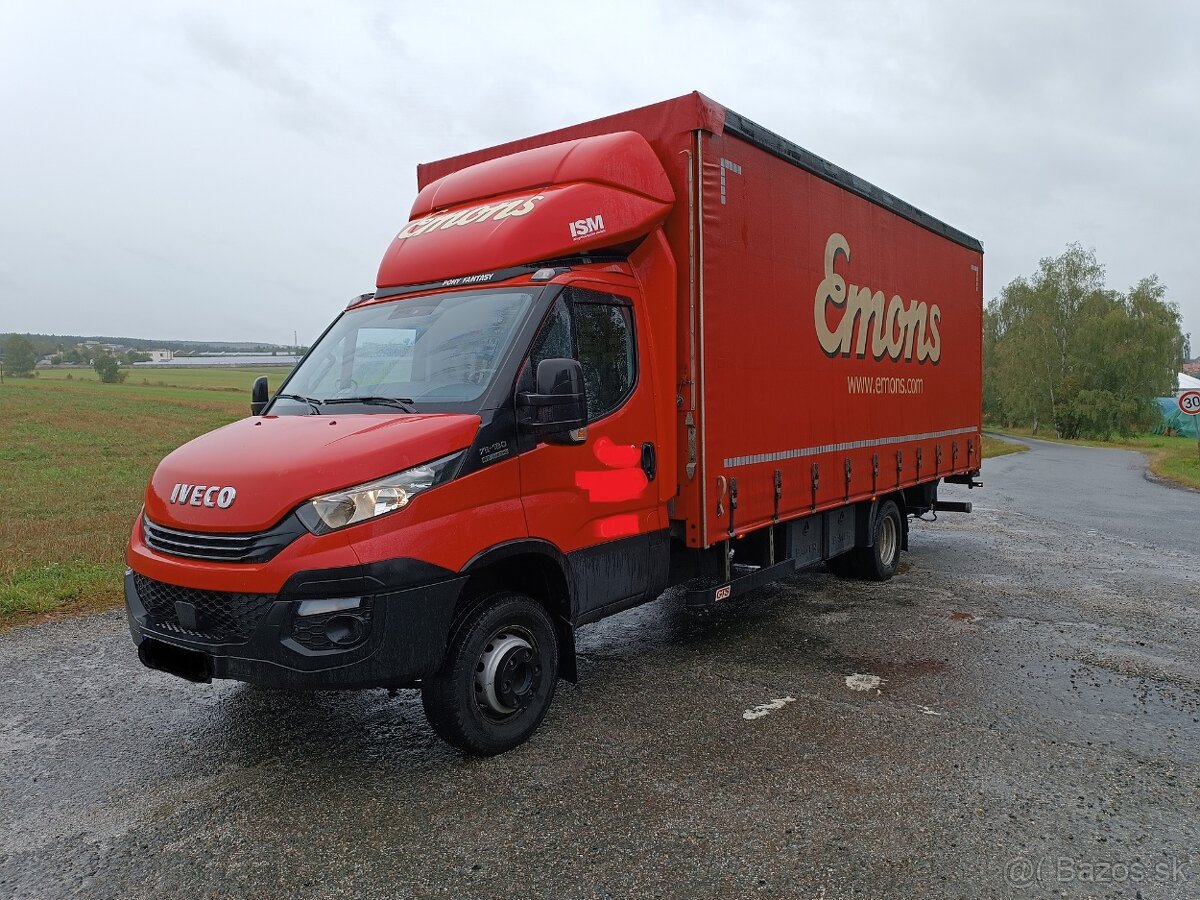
(296, 102)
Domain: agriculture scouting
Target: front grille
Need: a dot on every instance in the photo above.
(216, 617)
(254, 547)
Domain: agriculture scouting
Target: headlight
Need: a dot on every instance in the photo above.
(330, 512)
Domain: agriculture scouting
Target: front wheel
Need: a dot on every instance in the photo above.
(498, 678)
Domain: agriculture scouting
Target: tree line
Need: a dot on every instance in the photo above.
(20, 358)
(44, 344)
(1061, 350)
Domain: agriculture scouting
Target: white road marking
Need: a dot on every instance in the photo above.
(929, 711)
(857, 682)
(765, 709)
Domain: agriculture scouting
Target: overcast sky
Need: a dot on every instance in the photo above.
(235, 171)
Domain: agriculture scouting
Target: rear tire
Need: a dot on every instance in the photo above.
(498, 677)
(879, 561)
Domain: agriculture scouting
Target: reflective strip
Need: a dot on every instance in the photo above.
(736, 461)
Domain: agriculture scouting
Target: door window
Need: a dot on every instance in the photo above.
(596, 329)
(604, 337)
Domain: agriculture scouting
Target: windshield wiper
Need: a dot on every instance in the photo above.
(401, 403)
(314, 405)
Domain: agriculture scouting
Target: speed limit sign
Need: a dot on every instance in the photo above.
(1189, 404)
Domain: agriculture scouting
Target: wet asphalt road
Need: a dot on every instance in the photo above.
(1036, 732)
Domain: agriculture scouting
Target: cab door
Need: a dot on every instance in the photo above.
(595, 500)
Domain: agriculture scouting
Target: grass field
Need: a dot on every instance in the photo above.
(75, 457)
(1172, 458)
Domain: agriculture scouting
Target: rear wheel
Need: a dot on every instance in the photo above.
(879, 561)
(498, 678)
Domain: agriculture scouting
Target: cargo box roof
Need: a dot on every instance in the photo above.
(693, 112)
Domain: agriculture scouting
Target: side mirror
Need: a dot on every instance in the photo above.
(258, 396)
(557, 412)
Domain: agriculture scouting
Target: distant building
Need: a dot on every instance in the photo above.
(159, 356)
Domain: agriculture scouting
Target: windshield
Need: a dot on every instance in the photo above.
(439, 350)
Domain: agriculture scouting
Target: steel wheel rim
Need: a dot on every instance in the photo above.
(887, 541)
(496, 663)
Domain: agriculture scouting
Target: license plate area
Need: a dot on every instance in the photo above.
(190, 665)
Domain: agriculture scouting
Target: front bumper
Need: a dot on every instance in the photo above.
(393, 638)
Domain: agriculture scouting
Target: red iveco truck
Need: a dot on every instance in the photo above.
(659, 348)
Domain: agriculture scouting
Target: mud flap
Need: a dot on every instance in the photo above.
(567, 668)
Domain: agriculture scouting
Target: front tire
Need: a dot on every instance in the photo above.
(498, 677)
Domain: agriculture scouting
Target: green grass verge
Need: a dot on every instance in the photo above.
(1174, 459)
(995, 447)
(75, 457)
(43, 589)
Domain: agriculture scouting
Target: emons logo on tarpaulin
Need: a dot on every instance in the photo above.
(895, 330)
(582, 228)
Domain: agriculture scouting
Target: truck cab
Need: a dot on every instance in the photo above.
(462, 469)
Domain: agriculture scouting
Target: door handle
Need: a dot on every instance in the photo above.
(649, 463)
